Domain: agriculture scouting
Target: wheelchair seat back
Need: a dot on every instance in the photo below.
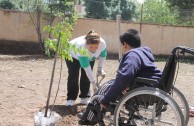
(168, 74)
(166, 81)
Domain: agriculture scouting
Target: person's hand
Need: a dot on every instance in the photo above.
(103, 106)
(125, 91)
(100, 72)
(94, 86)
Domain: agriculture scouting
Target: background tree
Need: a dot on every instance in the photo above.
(186, 13)
(26, 5)
(64, 8)
(114, 9)
(96, 9)
(6, 4)
(182, 4)
(127, 9)
(156, 11)
(108, 9)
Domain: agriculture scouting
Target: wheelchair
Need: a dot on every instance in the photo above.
(147, 105)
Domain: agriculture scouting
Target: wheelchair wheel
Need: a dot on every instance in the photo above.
(180, 99)
(147, 106)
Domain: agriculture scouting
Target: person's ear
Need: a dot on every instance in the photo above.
(125, 45)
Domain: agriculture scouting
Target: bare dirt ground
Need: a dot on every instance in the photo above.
(25, 80)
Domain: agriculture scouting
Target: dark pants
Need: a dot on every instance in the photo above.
(89, 114)
(72, 82)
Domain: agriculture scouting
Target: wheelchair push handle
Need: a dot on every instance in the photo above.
(189, 50)
(184, 49)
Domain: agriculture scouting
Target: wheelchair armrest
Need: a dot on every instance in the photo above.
(146, 80)
(95, 97)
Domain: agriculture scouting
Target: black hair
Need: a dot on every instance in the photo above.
(131, 37)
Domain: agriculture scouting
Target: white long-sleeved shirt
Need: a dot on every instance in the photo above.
(85, 60)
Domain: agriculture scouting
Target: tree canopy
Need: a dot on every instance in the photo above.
(185, 8)
(96, 9)
(182, 4)
(6, 5)
(158, 12)
(108, 9)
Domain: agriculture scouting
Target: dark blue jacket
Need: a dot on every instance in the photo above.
(138, 62)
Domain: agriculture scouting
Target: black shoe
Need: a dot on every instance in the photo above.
(80, 115)
(86, 122)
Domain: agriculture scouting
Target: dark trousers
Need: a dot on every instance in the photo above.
(73, 79)
(89, 114)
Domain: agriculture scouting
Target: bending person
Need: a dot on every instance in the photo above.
(96, 48)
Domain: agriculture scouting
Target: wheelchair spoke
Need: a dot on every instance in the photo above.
(148, 108)
(164, 122)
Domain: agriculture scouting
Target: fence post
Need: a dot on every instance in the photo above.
(118, 17)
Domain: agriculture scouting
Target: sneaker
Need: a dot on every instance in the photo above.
(86, 122)
(80, 115)
(84, 101)
(70, 102)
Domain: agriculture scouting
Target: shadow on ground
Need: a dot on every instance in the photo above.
(20, 48)
(63, 110)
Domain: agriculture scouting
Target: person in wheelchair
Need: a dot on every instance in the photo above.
(137, 61)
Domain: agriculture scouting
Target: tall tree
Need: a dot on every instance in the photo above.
(108, 9)
(6, 4)
(182, 4)
(96, 9)
(156, 11)
(127, 9)
(186, 13)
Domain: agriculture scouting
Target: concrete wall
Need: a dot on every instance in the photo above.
(16, 26)
(161, 39)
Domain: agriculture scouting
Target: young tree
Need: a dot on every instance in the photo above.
(65, 10)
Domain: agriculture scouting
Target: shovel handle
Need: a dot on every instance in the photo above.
(99, 81)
